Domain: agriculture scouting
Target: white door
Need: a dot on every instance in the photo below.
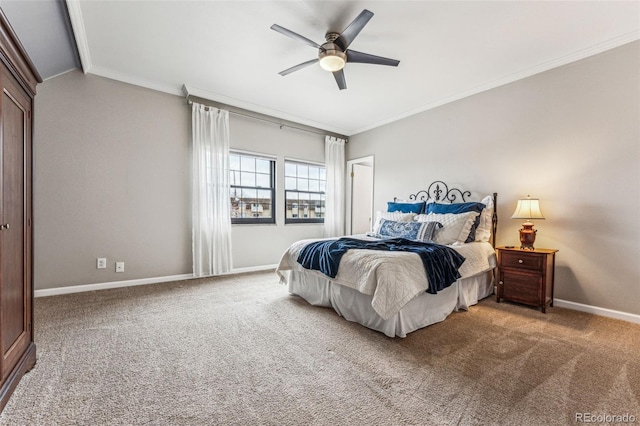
(361, 198)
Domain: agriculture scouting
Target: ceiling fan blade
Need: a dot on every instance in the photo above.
(354, 28)
(294, 36)
(339, 75)
(365, 58)
(298, 67)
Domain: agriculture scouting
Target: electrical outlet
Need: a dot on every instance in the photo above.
(101, 263)
(119, 266)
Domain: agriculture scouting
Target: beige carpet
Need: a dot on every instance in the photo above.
(240, 350)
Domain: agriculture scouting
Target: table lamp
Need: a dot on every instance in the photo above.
(527, 208)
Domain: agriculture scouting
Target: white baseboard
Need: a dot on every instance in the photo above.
(604, 312)
(130, 283)
(251, 269)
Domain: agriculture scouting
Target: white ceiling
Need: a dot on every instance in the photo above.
(226, 51)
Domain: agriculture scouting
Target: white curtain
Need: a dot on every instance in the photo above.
(335, 165)
(211, 205)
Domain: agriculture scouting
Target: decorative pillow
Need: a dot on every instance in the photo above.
(397, 216)
(457, 208)
(418, 231)
(409, 230)
(483, 232)
(429, 231)
(456, 227)
(442, 208)
(416, 207)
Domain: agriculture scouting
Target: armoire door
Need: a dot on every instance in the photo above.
(15, 235)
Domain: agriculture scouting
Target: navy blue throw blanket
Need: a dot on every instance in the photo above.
(440, 262)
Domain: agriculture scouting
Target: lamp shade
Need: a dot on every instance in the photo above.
(527, 208)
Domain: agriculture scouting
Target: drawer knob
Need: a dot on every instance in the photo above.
(520, 261)
(501, 282)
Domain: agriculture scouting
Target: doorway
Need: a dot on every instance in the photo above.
(359, 195)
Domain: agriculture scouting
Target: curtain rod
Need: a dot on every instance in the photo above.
(262, 117)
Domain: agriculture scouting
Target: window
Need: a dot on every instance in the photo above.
(252, 181)
(304, 188)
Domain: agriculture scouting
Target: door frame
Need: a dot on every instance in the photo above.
(369, 160)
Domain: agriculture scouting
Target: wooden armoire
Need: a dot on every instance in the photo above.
(18, 79)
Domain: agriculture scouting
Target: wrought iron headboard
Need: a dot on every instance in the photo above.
(436, 193)
(440, 191)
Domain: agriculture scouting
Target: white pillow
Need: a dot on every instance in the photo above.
(455, 227)
(395, 216)
(483, 232)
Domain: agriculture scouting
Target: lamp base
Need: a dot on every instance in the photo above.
(527, 236)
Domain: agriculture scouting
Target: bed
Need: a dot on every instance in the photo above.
(389, 291)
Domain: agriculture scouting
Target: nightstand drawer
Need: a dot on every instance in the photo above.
(524, 260)
(526, 276)
(521, 287)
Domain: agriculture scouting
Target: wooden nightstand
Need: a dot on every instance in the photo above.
(526, 276)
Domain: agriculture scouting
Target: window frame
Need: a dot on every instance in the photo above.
(298, 220)
(272, 188)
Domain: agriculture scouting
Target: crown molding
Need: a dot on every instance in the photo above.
(200, 93)
(510, 78)
(129, 79)
(77, 23)
(79, 33)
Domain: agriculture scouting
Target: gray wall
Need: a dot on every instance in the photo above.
(112, 179)
(569, 136)
(112, 174)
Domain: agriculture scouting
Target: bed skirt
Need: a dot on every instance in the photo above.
(424, 310)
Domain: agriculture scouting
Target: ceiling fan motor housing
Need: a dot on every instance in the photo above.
(331, 55)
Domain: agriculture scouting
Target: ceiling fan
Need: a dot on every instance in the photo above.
(334, 53)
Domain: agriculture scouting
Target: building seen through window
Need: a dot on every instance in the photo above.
(252, 182)
(305, 185)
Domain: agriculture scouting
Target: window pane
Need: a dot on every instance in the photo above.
(304, 192)
(323, 186)
(314, 199)
(263, 166)
(291, 207)
(303, 184)
(234, 193)
(314, 172)
(264, 195)
(234, 162)
(247, 202)
(247, 193)
(290, 169)
(263, 205)
(263, 181)
(247, 179)
(234, 177)
(248, 164)
(290, 183)
(247, 174)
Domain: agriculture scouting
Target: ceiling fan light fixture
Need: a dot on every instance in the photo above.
(332, 60)
(332, 54)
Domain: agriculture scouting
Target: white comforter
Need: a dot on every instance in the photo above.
(393, 278)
